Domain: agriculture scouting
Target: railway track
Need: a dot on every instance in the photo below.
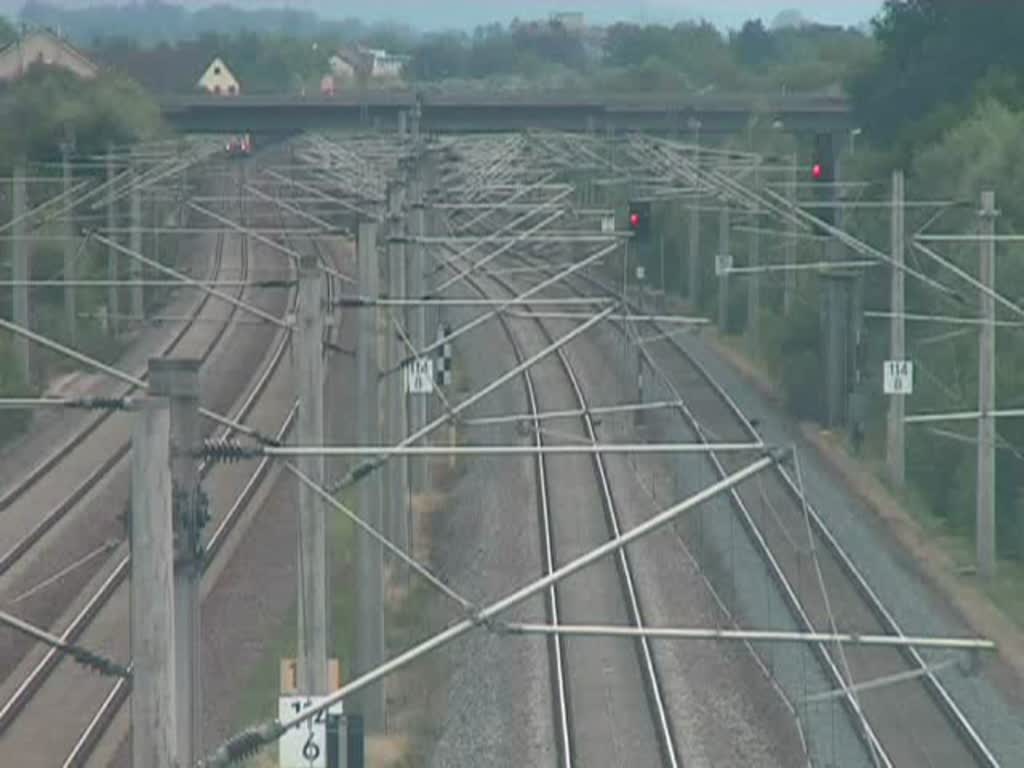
(51, 464)
(115, 429)
(114, 583)
(575, 748)
(112, 704)
(915, 723)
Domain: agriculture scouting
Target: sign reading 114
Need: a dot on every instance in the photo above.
(898, 377)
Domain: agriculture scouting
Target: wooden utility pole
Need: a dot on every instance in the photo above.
(369, 553)
(312, 645)
(153, 712)
(986, 519)
(178, 380)
(895, 451)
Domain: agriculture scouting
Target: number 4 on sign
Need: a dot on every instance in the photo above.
(898, 377)
(305, 745)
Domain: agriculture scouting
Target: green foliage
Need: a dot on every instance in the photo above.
(686, 57)
(801, 371)
(932, 56)
(984, 151)
(46, 102)
(12, 384)
(754, 45)
(8, 34)
(263, 63)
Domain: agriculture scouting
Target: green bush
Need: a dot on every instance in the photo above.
(800, 354)
(12, 384)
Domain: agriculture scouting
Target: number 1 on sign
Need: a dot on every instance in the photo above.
(898, 377)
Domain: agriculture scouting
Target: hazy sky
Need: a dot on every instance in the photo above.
(434, 13)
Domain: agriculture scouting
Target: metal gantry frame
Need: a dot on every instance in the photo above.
(501, 178)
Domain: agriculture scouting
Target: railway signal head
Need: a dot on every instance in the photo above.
(823, 166)
(640, 219)
(823, 172)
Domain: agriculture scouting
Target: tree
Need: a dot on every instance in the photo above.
(440, 56)
(754, 44)
(932, 53)
(42, 104)
(8, 34)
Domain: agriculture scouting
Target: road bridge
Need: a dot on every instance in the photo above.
(666, 113)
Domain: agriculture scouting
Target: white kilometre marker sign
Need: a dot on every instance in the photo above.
(305, 745)
(898, 377)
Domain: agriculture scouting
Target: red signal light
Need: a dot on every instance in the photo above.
(817, 171)
(634, 220)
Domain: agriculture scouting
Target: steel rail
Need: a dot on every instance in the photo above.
(789, 593)
(83, 619)
(944, 701)
(44, 467)
(556, 644)
(79, 623)
(91, 735)
(41, 470)
(646, 658)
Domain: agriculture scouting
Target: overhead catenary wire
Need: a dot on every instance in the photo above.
(83, 656)
(252, 739)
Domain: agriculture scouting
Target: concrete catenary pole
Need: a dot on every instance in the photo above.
(416, 315)
(153, 713)
(70, 249)
(135, 269)
(754, 283)
(986, 521)
(21, 271)
(723, 280)
(397, 507)
(432, 226)
(113, 304)
(842, 318)
(895, 450)
(693, 262)
(693, 265)
(312, 661)
(789, 250)
(178, 380)
(369, 553)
